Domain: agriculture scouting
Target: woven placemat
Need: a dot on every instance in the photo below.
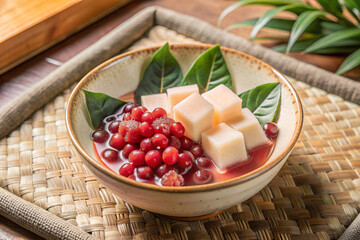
(315, 195)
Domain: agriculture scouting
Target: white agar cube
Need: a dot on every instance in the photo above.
(196, 114)
(224, 145)
(227, 104)
(250, 127)
(177, 94)
(154, 101)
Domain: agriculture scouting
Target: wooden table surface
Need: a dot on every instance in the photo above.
(15, 81)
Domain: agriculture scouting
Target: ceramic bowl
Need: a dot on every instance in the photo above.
(121, 75)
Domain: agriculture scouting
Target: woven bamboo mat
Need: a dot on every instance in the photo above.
(315, 195)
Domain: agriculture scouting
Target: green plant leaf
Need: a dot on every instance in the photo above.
(161, 73)
(276, 23)
(208, 71)
(99, 106)
(263, 101)
(332, 6)
(264, 19)
(332, 39)
(354, 8)
(350, 62)
(330, 27)
(301, 23)
(252, 2)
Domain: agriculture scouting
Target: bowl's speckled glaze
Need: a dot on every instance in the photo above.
(121, 75)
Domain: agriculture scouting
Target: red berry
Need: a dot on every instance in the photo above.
(146, 129)
(153, 158)
(197, 150)
(271, 129)
(129, 107)
(160, 140)
(133, 136)
(163, 169)
(114, 127)
(99, 136)
(170, 155)
(144, 109)
(110, 155)
(202, 176)
(110, 119)
(122, 130)
(127, 117)
(137, 157)
(146, 145)
(175, 142)
(117, 141)
(145, 172)
(172, 179)
(162, 128)
(132, 176)
(186, 143)
(127, 169)
(128, 149)
(147, 117)
(159, 112)
(184, 160)
(203, 162)
(177, 129)
(136, 113)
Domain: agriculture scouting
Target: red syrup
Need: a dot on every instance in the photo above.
(257, 158)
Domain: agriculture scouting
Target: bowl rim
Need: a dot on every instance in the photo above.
(195, 188)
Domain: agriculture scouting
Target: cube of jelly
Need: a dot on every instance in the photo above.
(227, 104)
(177, 94)
(224, 145)
(250, 128)
(155, 100)
(196, 114)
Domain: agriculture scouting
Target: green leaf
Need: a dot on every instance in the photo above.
(332, 6)
(354, 8)
(252, 2)
(99, 106)
(264, 19)
(276, 23)
(332, 39)
(330, 27)
(350, 62)
(263, 101)
(208, 71)
(161, 73)
(301, 23)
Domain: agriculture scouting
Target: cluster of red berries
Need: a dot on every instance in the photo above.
(152, 143)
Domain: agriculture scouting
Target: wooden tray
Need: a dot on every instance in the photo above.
(29, 27)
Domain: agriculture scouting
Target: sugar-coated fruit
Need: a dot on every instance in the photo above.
(117, 141)
(127, 169)
(224, 145)
(110, 155)
(127, 117)
(170, 155)
(153, 158)
(175, 142)
(145, 172)
(196, 115)
(122, 130)
(100, 136)
(137, 157)
(172, 179)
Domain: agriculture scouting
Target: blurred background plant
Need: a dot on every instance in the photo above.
(321, 27)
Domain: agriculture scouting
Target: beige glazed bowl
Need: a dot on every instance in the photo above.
(121, 75)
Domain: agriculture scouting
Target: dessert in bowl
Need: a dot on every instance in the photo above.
(121, 75)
